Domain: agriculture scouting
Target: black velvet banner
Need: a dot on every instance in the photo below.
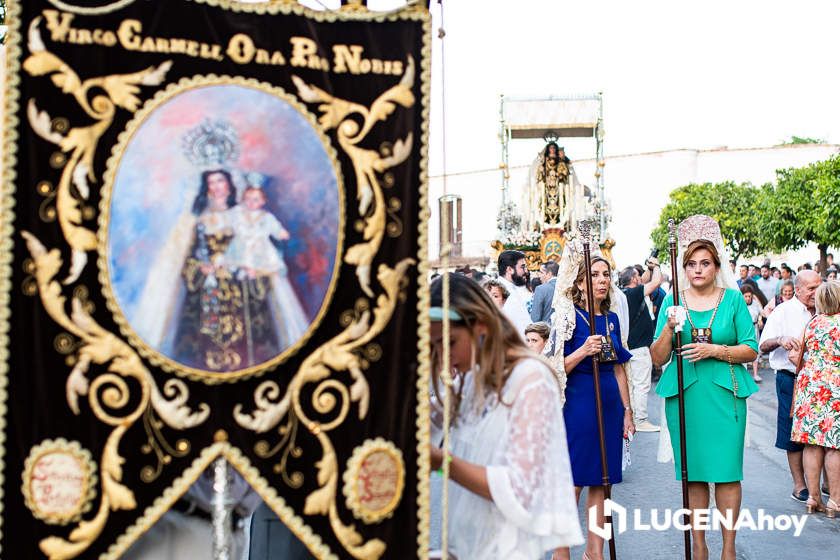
(212, 241)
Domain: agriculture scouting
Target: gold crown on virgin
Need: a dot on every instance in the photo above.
(211, 144)
(699, 227)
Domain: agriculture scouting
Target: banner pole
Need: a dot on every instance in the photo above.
(222, 513)
(585, 231)
(675, 289)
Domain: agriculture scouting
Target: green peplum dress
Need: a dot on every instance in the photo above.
(715, 419)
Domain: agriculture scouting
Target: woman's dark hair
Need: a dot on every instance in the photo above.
(552, 145)
(576, 295)
(557, 149)
(200, 202)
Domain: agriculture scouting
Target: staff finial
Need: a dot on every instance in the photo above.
(585, 231)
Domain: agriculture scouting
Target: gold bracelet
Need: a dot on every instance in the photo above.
(734, 381)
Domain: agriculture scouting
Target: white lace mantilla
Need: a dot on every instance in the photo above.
(564, 317)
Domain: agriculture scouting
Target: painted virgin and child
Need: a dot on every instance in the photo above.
(217, 297)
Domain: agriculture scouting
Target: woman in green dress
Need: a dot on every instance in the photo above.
(718, 336)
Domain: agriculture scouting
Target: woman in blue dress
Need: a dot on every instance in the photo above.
(579, 410)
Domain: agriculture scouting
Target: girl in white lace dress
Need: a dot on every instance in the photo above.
(510, 490)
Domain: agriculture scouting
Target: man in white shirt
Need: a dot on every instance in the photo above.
(512, 274)
(637, 289)
(767, 283)
(782, 333)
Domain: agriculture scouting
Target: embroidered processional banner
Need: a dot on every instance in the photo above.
(213, 240)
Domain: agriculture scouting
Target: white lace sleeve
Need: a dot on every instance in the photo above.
(533, 487)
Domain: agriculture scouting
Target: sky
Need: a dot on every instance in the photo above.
(673, 74)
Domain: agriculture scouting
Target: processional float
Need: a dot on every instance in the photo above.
(554, 198)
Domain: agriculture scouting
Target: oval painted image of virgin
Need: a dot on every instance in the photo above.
(221, 228)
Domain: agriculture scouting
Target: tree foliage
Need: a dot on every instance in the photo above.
(803, 140)
(732, 205)
(802, 207)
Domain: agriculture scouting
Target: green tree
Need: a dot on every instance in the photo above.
(802, 207)
(731, 204)
(803, 140)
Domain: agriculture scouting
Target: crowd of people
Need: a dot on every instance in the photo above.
(526, 439)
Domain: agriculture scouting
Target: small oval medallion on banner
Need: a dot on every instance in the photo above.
(59, 481)
(374, 480)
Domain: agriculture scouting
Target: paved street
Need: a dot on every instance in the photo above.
(767, 485)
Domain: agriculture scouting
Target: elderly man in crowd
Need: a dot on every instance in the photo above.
(782, 333)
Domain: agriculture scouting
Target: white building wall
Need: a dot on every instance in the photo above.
(637, 187)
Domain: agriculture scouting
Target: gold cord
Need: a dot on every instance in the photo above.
(446, 377)
(714, 313)
(446, 374)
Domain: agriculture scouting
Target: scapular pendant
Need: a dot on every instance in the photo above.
(607, 353)
(702, 336)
